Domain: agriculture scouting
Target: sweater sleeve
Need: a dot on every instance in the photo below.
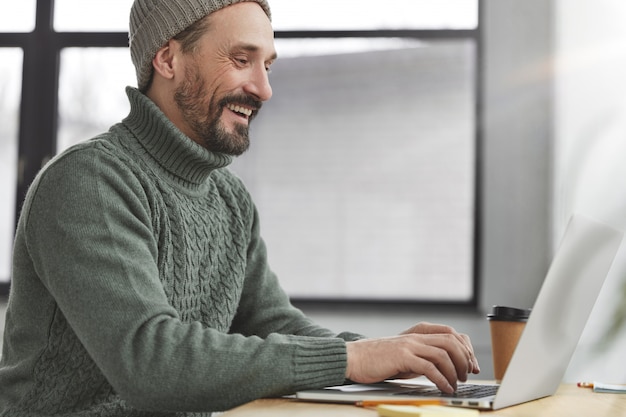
(88, 231)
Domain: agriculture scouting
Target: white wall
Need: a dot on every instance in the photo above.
(590, 138)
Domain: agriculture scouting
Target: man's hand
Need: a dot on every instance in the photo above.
(435, 351)
(429, 328)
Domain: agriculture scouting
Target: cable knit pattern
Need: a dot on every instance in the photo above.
(141, 287)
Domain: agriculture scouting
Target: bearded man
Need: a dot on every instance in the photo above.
(140, 280)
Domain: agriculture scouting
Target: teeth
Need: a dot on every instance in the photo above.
(240, 109)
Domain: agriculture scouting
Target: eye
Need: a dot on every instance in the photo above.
(242, 61)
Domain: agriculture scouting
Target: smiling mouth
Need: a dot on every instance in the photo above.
(243, 111)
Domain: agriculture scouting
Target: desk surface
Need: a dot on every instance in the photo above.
(568, 401)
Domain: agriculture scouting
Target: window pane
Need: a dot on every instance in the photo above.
(362, 165)
(18, 16)
(374, 14)
(112, 15)
(290, 48)
(92, 93)
(92, 15)
(10, 90)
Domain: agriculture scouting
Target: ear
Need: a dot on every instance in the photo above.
(164, 62)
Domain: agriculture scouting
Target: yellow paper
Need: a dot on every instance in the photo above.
(424, 411)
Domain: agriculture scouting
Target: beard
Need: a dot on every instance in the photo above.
(204, 117)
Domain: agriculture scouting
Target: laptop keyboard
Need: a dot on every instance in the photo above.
(463, 391)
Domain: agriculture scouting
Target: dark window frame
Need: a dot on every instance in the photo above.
(38, 119)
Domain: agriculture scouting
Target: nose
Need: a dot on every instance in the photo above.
(259, 84)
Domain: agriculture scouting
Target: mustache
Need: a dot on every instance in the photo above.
(242, 100)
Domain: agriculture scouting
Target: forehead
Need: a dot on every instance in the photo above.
(243, 22)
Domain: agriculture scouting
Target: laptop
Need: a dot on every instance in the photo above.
(548, 341)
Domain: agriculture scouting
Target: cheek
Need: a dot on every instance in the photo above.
(213, 83)
(225, 78)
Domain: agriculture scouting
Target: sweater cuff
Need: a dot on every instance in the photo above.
(351, 337)
(320, 362)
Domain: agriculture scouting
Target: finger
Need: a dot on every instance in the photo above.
(466, 351)
(475, 368)
(430, 328)
(456, 350)
(423, 355)
(440, 381)
(433, 371)
(439, 363)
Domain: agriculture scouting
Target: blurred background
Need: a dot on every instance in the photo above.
(418, 161)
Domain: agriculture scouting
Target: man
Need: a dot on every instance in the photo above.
(140, 282)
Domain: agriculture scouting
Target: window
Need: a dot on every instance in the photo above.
(373, 118)
(10, 82)
(362, 167)
(19, 16)
(88, 108)
(316, 15)
(91, 16)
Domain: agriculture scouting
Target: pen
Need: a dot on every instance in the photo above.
(374, 403)
(602, 387)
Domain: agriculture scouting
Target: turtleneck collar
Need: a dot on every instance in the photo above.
(183, 159)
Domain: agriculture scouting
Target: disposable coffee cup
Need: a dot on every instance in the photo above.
(506, 325)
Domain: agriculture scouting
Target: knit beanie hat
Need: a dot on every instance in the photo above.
(154, 22)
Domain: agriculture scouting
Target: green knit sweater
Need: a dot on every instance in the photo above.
(141, 286)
